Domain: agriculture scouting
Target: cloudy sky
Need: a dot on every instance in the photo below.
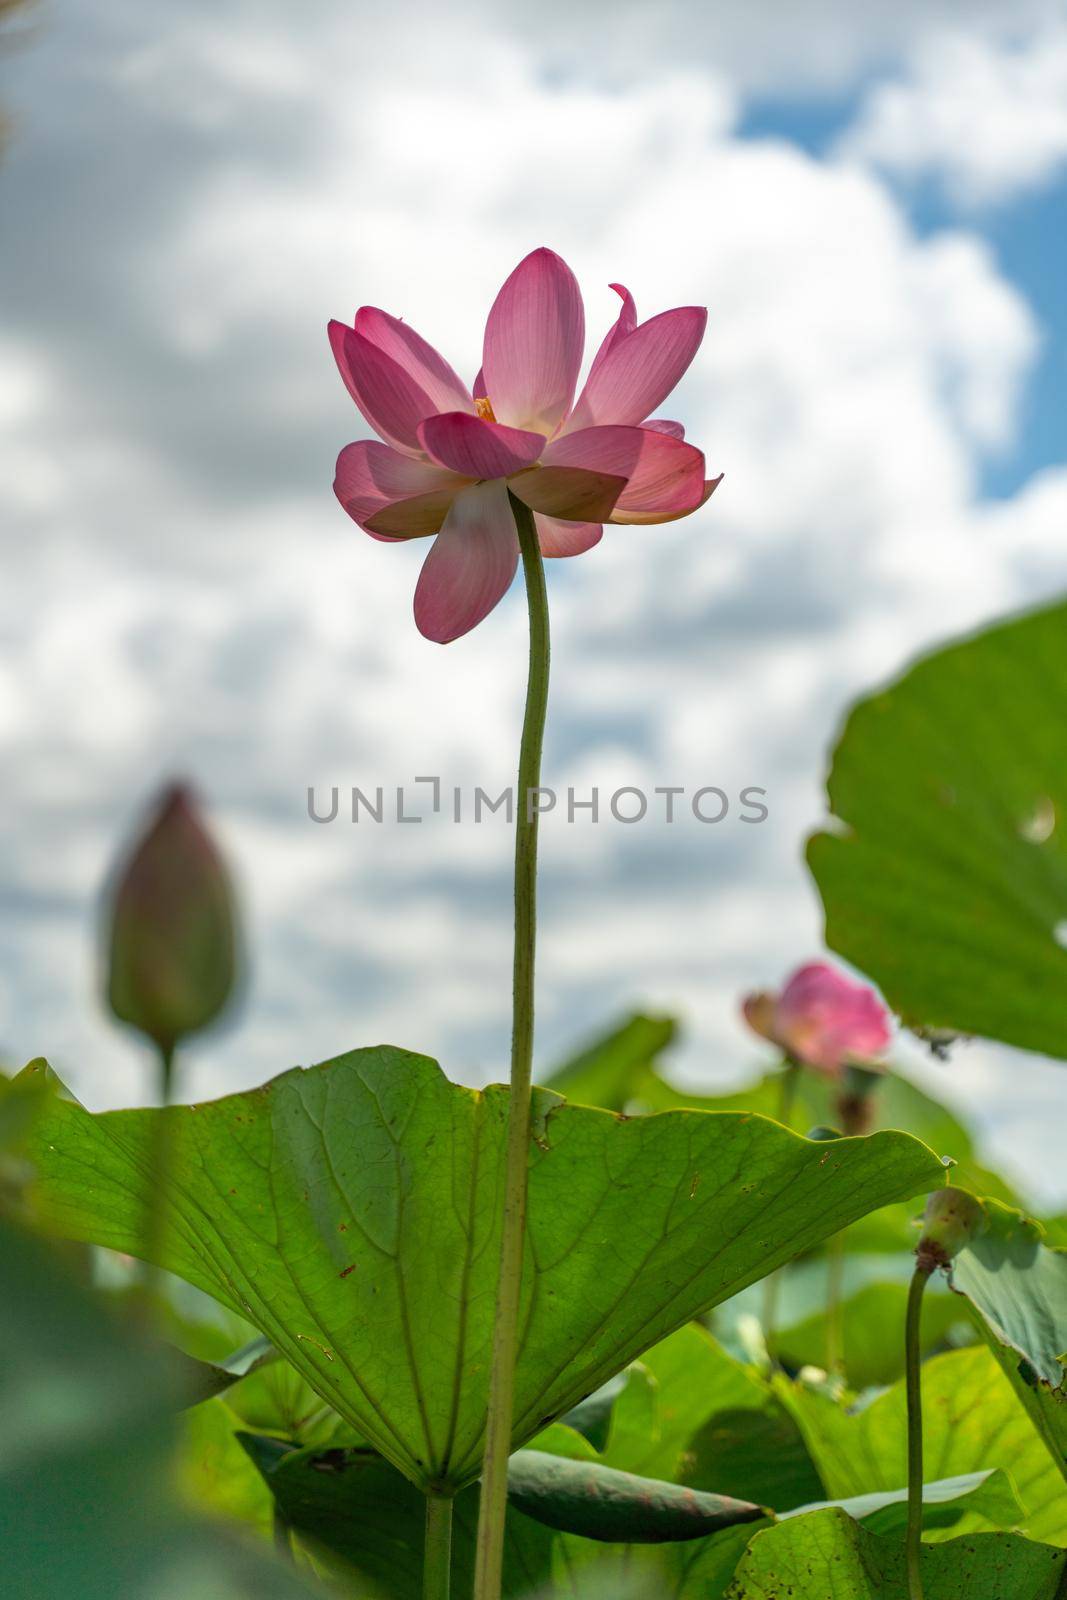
(871, 203)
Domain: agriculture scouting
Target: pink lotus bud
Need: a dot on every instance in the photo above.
(951, 1220)
(822, 1019)
(172, 928)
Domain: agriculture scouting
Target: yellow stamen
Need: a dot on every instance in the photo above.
(484, 408)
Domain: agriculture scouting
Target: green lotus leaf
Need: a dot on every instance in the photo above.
(350, 1212)
(946, 879)
(1016, 1289)
(829, 1555)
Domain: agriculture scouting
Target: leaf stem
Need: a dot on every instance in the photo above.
(437, 1549)
(490, 1543)
(153, 1276)
(788, 1083)
(913, 1386)
(835, 1310)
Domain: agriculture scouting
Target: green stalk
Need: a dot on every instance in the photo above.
(489, 1558)
(437, 1549)
(913, 1385)
(152, 1276)
(788, 1083)
(835, 1310)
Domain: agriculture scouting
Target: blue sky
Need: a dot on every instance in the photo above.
(1027, 232)
(870, 202)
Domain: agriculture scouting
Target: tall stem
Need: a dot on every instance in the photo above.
(835, 1310)
(437, 1549)
(152, 1277)
(490, 1546)
(913, 1386)
(788, 1083)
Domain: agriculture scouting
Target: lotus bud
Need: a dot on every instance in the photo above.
(951, 1220)
(172, 927)
(821, 1019)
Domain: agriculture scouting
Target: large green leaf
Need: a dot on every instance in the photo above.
(971, 1422)
(350, 1211)
(827, 1556)
(1017, 1290)
(622, 1073)
(947, 881)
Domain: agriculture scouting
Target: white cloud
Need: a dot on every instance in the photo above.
(188, 596)
(986, 116)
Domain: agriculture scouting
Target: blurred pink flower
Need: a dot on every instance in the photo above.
(821, 1018)
(448, 457)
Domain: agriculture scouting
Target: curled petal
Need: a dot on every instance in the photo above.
(420, 360)
(640, 370)
(636, 516)
(625, 323)
(412, 519)
(573, 493)
(759, 1011)
(476, 448)
(470, 566)
(533, 344)
(664, 476)
(390, 399)
(662, 425)
(559, 538)
(391, 495)
(646, 518)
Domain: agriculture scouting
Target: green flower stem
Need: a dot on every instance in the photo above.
(913, 1385)
(788, 1084)
(835, 1310)
(437, 1550)
(490, 1545)
(155, 1213)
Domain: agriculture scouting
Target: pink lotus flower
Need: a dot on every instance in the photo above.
(821, 1018)
(448, 458)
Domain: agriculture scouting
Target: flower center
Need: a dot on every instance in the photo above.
(484, 408)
